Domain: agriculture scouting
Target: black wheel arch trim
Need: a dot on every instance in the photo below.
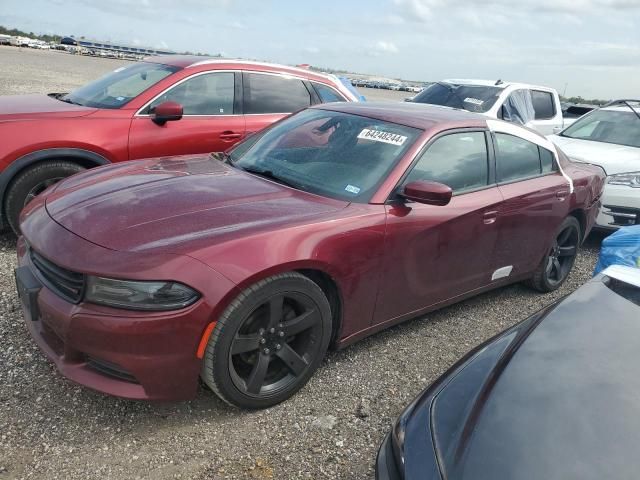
(87, 157)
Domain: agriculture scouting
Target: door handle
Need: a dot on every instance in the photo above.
(229, 135)
(562, 194)
(489, 217)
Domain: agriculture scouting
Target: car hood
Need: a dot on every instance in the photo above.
(23, 107)
(167, 203)
(613, 158)
(560, 400)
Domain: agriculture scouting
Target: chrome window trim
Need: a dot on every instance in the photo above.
(277, 74)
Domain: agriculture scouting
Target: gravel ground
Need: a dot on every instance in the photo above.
(51, 428)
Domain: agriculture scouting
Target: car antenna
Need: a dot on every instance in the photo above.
(499, 82)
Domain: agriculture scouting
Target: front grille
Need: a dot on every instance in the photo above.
(110, 369)
(65, 283)
(622, 216)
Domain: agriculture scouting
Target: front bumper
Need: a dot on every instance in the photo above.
(386, 467)
(120, 353)
(620, 207)
(129, 354)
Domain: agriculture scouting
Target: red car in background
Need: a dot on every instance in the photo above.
(132, 113)
(339, 221)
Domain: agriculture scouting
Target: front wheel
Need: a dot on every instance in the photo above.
(33, 181)
(558, 262)
(268, 342)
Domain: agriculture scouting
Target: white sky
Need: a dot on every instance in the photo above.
(592, 46)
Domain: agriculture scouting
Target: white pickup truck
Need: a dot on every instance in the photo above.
(530, 105)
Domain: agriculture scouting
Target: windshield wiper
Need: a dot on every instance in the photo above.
(222, 157)
(68, 100)
(271, 176)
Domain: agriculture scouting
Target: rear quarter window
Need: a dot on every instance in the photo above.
(327, 94)
(546, 160)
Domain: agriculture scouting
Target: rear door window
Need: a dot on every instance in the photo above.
(516, 158)
(458, 160)
(543, 105)
(264, 93)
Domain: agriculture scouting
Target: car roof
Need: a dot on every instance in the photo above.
(416, 115)
(492, 83)
(617, 108)
(191, 61)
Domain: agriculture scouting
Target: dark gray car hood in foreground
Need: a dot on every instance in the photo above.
(562, 403)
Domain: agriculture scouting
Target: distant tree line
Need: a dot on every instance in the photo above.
(14, 32)
(579, 99)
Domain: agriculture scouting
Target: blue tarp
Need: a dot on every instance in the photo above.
(620, 248)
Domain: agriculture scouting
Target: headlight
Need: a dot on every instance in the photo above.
(136, 295)
(397, 436)
(631, 179)
(398, 432)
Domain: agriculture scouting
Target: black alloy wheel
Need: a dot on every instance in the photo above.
(39, 188)
(273, 347)
(562, 255)
(268, 342)
(31, 182)
(558, 262)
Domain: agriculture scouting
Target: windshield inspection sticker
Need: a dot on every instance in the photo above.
(475, 101)
(380, 136)
(352, 189)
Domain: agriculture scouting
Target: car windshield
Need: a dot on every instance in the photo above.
(120, 86)
(474, 98)
(608, 126)
(328, 153)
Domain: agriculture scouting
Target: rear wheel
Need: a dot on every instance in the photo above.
(557, 264)
(268, 342)
(33, 181)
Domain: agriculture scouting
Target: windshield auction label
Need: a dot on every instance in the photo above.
(380, 136)
(475, 101)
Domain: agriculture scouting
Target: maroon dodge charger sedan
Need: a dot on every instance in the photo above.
(341, 220)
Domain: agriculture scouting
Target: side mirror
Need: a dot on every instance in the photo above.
(166, 112)
(431, 193)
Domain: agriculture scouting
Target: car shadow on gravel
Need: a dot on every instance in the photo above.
(333, 425)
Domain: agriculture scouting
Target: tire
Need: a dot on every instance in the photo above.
(268, 342)
(31, 182)
(559, 259)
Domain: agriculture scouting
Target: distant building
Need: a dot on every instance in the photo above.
(114, 47)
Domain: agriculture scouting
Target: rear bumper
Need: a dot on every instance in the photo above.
(620, 207)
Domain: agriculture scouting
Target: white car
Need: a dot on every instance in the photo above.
(610, 138)
(529, 105)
